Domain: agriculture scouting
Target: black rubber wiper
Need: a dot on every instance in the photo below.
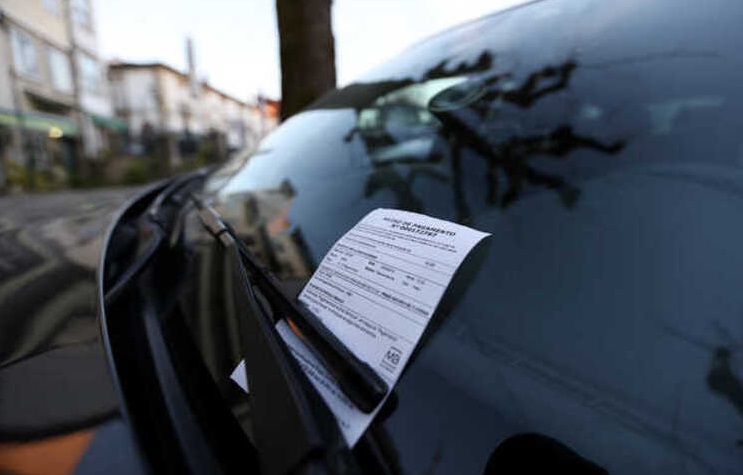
(358, 381)
(161, 217)
(294, 430)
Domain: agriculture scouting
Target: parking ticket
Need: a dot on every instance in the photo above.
(376, 290)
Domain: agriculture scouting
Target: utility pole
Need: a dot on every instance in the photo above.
(76, 87)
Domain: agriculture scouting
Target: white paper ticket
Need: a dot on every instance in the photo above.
(376, 290)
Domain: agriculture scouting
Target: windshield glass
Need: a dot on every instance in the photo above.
(598, 142)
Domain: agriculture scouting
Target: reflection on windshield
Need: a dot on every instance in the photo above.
(263, 224)
(722, 380)
(509, 153)
(420, 125)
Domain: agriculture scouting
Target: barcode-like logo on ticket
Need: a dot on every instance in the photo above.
(391, 359)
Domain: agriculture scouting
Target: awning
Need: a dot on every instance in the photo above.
(35, 121)
(110, 123)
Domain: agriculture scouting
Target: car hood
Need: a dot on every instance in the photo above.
(54, 383)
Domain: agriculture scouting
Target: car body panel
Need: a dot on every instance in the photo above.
(58, 409)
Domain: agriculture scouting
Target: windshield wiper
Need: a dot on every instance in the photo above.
(358, 381)
(295, 432)
(161, 217)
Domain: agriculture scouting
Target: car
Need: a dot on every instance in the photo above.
(597, 330)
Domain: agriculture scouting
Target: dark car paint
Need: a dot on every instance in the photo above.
(579, 355)
(606, 315)
(58, 409)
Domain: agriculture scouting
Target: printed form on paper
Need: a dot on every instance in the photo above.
(377, 290)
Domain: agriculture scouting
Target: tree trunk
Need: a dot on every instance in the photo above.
(307, 52)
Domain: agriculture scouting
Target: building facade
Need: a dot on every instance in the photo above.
(156, 98)
(55, 106)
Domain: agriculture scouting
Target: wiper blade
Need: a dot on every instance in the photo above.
(358, 381)
(160, 215)
(294, 430)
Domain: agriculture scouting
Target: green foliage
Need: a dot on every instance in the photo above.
(19, 177)
(93, 176)
(91, 181)
(138, 173)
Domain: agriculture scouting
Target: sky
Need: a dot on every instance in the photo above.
(236, 41)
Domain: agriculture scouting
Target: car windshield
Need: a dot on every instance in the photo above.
(599, 143)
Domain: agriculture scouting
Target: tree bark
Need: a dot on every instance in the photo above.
(307, 52)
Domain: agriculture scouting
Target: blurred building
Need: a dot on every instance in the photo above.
(55, 106)
(156, 98)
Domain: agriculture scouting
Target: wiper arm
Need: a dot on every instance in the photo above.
(358, 381)
(294, 430)
(160, 217)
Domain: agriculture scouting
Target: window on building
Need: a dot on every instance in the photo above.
(90, 74)
(25, 55)
(52, 6)
(59, 69)
(81, 13)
